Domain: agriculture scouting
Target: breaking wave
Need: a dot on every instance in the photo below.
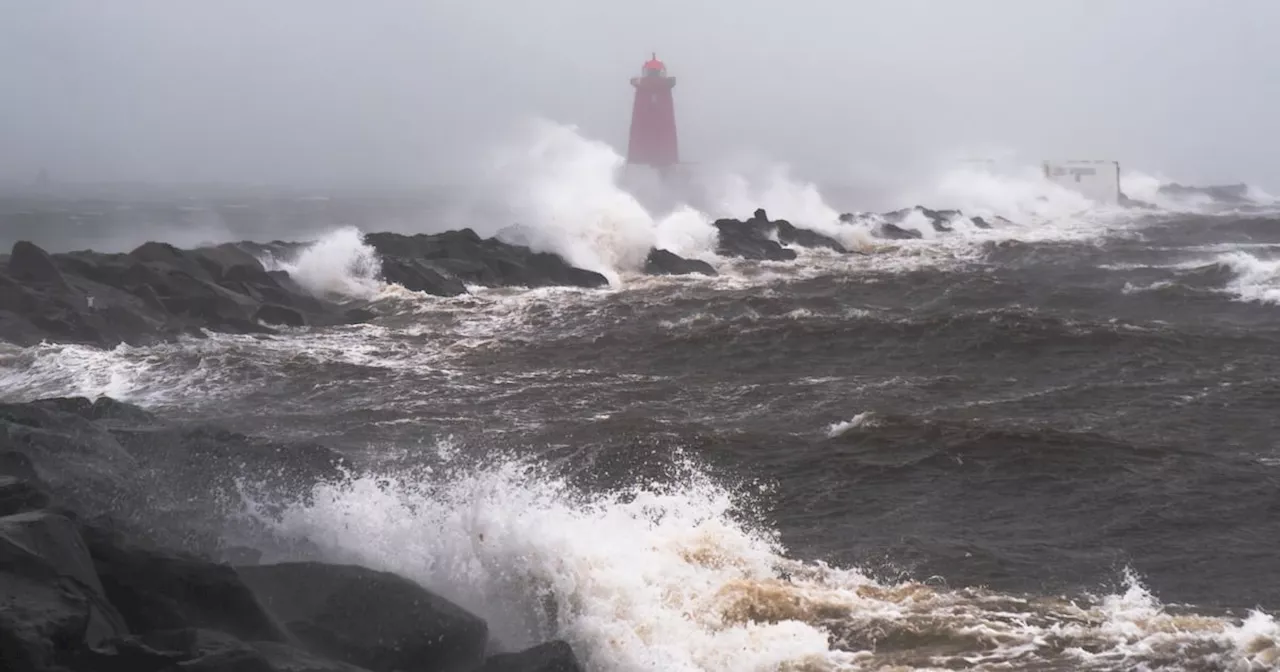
(338, 263)
(564, 194)
(1253, 278)
(673, 577)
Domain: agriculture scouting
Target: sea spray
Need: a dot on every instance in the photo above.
(337, 263)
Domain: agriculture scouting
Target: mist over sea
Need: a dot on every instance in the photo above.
(1044, 445)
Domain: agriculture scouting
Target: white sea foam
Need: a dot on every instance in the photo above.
(338, 263)
(669, 578)
(1255, 278)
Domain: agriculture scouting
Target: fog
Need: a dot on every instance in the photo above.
(322, 92)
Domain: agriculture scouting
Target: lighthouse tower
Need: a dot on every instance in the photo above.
(653, 118)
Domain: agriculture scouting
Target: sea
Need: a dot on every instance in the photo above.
(1047, 445)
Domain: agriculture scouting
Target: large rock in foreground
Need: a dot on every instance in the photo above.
(80, 595)
(368, 618)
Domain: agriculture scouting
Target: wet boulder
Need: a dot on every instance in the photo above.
(53, 606)
(463, 257)
(417, 275)
(372, 619)
(154, 293)
(749, 240)
(793, 235)
(30, 263)
(894, 232)
(274, 314)
(663, 262)
(555, 656)
(19, 495)
(155, 589)
(761, 239)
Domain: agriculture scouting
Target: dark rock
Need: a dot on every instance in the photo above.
(97, 595)
(17, 465)
(20, 495)
(159, 590)
(895, 232)
(158, 292)
(421, 276)
(77, 457)
(553, 656)
(240, 555)
(456, 258)
(102, 408)
(753, 239)
(197, 648)
(283, 658)
(29, 263)
(231, 256)
(980, 223)
(939, 219)
(791, 235)
(662, 262)
(273, 314)
(749, 240)
(54, 607)
(368, 618)
(114, 459)
(106, 408)
(358, 315)
(213, 651)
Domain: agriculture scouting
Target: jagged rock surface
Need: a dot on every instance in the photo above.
(664, 262)
(81, 594)
(444, 263)
(157, 291)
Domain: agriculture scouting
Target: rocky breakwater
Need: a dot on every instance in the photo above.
(760, 239)
(444, 264)
(157, 291)
(86, 587)
(153, 293)
(894, 225)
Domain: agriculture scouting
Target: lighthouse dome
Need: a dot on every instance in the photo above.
(654, 67)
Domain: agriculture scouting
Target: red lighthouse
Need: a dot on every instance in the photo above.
(653, 118)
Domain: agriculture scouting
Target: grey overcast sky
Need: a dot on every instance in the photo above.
(312, 92)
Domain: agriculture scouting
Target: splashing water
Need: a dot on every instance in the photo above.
(1255, 279)
(668, 578)
(563, 190)
(338, 263)
(738, 191)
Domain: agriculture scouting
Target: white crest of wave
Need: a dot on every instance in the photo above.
(564, 191)
(644, 579)
(1018, 193)
(575, 196)
(667, 578)
(736, 190)
(337, 263)
(1146, 188)
(1260, 196)
(864, 419)
(1255, 279)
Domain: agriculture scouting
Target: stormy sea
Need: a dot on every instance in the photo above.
(1035, 434)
